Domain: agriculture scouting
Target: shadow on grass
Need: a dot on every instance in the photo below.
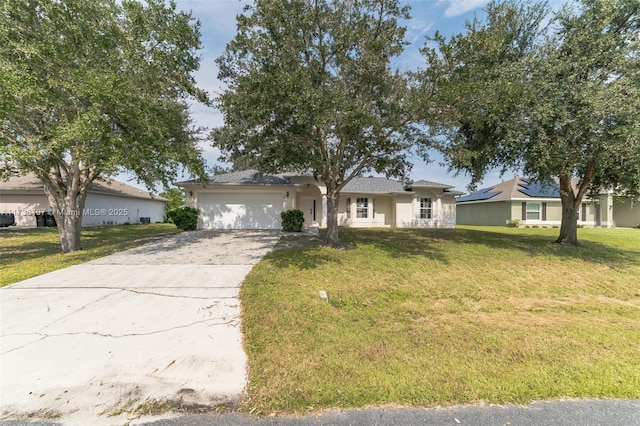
(18, 245)
(429, 244)
(538, 244)
(304, 252)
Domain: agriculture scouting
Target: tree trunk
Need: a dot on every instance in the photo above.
(67, 205)
(332, 216)
(69, 231)
(570, 203)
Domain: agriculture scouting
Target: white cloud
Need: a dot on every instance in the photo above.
(416, 29)
(460, 7)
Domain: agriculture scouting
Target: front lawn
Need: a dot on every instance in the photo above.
(441, 317)
(26, 253)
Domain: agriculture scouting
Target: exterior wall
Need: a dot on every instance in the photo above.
(23, 206)
(308, 198)
(380, 211)
(100, 209)
(606, 210)
(625, 213)
(499, 213)
(449, 211)
(307, 187)
(492, 213)
(443, 210)
(404, 210)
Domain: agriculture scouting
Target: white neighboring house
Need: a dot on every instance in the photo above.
(247, 200)
(108, 203)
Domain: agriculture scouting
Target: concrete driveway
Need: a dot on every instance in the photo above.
(105, 341)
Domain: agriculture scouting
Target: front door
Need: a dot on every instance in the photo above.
(309, 205)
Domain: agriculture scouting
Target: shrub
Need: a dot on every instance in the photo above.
(292, 220)
(185, 218)
(514, 223)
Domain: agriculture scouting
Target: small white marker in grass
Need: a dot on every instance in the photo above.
(323, 295)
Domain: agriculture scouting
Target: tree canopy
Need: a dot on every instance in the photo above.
(310, 87)
(89, 88)
(552, 96)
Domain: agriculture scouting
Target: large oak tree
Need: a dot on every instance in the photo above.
(553, 96)
(90, 88)
(310, 87)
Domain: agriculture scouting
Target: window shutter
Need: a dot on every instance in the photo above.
(544, 211)
(584, 212)
(524, 210)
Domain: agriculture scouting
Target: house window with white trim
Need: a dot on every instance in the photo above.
(426, 209)
(362, 207)
(348, 210)
(533, 211)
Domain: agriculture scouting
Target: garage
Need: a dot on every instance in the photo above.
(240, 211)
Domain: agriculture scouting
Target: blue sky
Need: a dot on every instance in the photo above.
(427, 16)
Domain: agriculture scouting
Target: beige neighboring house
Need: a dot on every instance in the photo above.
(247, 200)
(108, 203)
(536, 204)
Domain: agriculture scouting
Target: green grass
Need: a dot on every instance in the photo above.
(25, 253)
(441, 317)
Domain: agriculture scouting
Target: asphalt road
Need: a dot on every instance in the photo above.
(553, 413)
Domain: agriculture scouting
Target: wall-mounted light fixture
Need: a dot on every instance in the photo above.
(287, 194)
(190, 193)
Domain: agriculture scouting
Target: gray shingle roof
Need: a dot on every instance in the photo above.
(373, 185)
(430, 184)
(245, 177)
(368, 185)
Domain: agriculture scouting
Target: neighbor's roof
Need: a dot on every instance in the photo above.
(517, 188)
(30, 183)
(245, 177)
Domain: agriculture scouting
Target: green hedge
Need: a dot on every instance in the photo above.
(292, 220)
(185, 218)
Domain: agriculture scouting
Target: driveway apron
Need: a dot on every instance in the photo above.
(105, 341)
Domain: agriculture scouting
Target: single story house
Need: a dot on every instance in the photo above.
(108, 203)
(536, 204)
(248, 200)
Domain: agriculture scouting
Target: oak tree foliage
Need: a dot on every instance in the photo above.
(311, 88)
(552, 95)
(90, 88)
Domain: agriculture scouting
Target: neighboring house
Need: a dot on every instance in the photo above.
(108, 203)
(247, 200)
(533, 203)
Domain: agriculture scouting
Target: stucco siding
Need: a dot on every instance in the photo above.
(625, 213)
(404, 211)
(379, 211)
(23, 207)
(100, 209)
(449, 211)
(496, 214)
(103, 209)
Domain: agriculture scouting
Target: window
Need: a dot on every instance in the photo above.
(348, 210)
(426, 211)
(533, 211)
(362, 206)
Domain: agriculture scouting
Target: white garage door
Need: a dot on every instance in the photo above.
(233, 211)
